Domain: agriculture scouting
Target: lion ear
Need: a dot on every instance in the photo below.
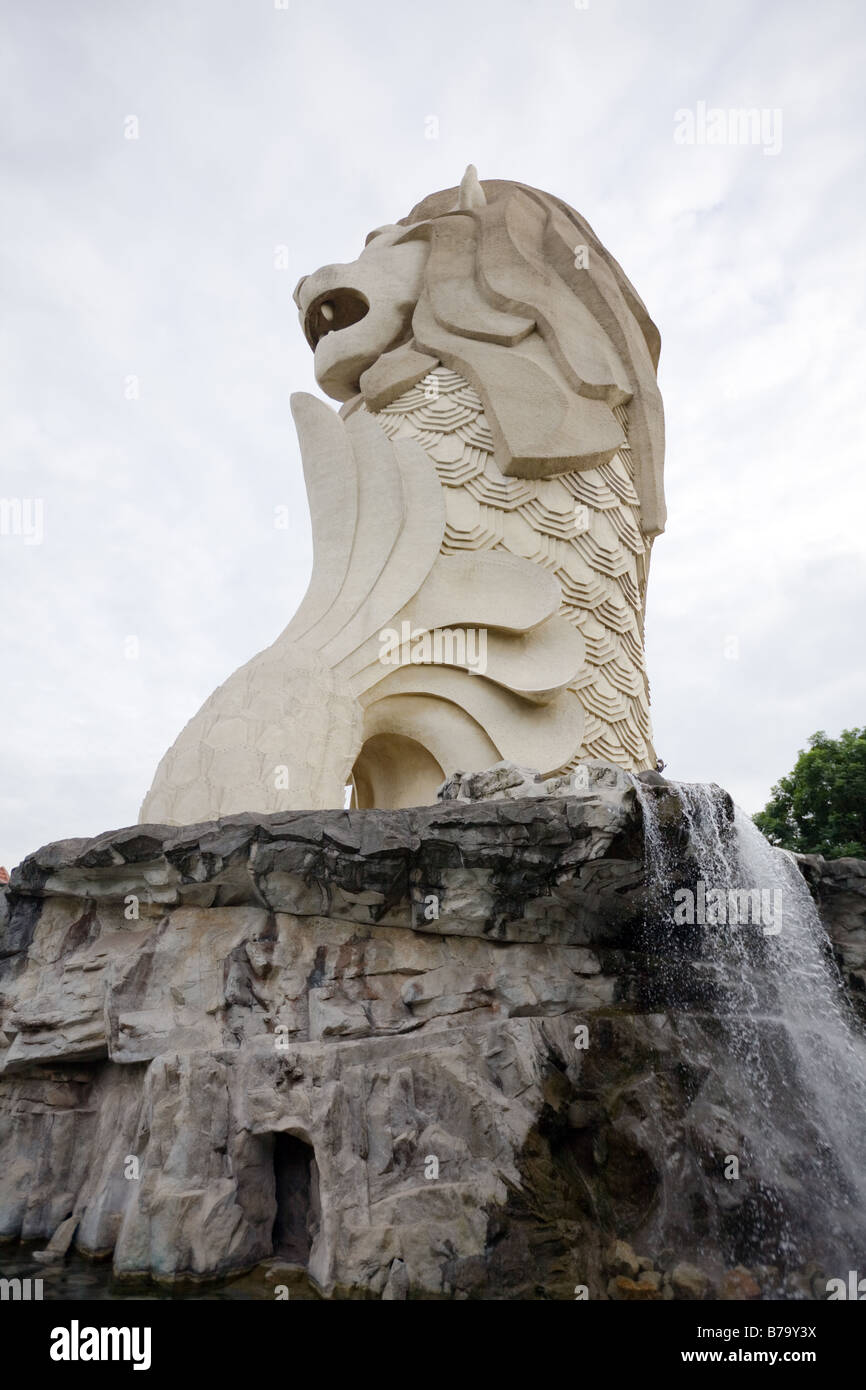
(471, 194)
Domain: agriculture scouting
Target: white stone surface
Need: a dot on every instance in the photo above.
(482, 507)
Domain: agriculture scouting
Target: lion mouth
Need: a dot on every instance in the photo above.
(333, 311)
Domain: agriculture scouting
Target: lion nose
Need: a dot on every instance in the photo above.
(297, 294)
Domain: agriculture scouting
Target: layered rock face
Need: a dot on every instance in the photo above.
(839, 888)
(429, 1053)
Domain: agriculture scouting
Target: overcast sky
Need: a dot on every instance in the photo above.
(270, 141)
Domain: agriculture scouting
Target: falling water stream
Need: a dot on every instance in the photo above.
(782, 1057)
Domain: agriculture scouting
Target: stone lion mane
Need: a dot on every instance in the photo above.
(521, 298)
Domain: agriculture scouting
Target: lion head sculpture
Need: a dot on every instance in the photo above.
(511, 288)
(483, 507)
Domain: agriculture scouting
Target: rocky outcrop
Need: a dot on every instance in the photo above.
(839, 889)
(424, 1053)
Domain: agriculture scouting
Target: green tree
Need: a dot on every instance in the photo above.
(820, 808)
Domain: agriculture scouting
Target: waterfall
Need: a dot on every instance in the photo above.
(781, 1058)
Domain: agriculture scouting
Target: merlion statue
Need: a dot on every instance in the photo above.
(483, 507)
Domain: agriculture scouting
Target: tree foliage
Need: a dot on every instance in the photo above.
(820, 807)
